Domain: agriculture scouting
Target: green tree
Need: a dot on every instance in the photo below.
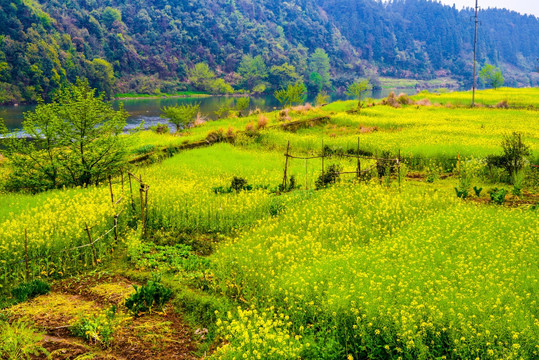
(319, 64)
(181, 115)
(242, 104)
(110, 15)
(102, 77)
(293, 94)
(284, 75)
(200, 76)
(492, 76)
(252, 70)
(322, 98)
(75, 141)
(358, 89)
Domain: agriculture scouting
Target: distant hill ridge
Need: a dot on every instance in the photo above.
(143, 45)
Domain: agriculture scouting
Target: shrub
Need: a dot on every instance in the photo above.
(96, 329)
(200, 120)
(463, 187)
(502, 105)
(242, 104)
(20, 341)
(146, 149)
(423, 102)
(497, 196)
(477, 191)
(386, 165)
(391, 100)
(153, 295)
(239, 183)
(404, 99)
(262, 122)
(216, 135)
(514, 155)
(331, 175)
(321, 99)
(27, 291)
(161, 128)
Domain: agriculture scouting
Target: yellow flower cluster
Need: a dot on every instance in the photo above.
(54, 221)
(250, 334)
(415, 274)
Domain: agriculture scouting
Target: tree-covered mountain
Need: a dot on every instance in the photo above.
(151, 45)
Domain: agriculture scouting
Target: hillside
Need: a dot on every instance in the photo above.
(147, 46)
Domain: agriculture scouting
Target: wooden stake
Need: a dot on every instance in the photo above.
(116, 228)
(131, 189)
(26, 255)
(142, 208)
(94, 253)
(110, 187)
(285, 177)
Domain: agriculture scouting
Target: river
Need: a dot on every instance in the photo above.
(149, 109)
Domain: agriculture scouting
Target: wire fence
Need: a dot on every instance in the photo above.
(90, 252)
(359, 171)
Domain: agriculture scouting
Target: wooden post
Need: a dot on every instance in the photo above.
(358, 161)
(285, 177)
(146, 208)
(116, 228)
(26, 255)
(94, 253)
(131, 189)
(458, 164)
(110, 187)
(141, 190)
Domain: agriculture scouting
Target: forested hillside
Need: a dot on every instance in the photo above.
(148, 46)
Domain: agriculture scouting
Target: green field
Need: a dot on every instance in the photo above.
(394, 266)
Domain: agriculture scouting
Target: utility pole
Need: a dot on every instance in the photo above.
(475, 52)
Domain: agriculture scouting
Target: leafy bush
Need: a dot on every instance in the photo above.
(242, 104)
(331, 175)
(514, 156)
(96, 329)
(20, 341)
(239, 183)
(518, 182)
(386, 166)
(145, 149)
(27, 291)
(463, 186)
(153, 295)
(497, 196)
(161, 128)
(477, 191)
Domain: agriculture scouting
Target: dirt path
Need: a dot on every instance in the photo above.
(153, 336)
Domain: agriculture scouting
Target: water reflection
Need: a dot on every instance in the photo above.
(149, 110)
